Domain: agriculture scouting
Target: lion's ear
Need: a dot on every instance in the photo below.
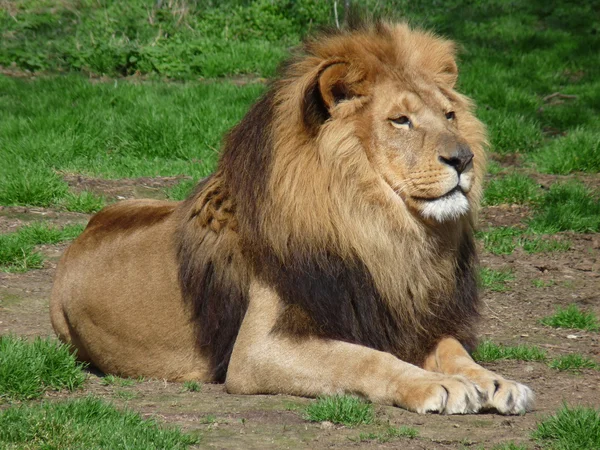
(333, 85)
(334, 82)
(448, 74)
(441, 62)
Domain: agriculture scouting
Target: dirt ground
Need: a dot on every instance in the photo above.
(275, 422)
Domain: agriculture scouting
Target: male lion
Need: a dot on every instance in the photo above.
(331, 251)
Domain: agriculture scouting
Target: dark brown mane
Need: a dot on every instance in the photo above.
(342, 302)
(224, 241)
(214, 281)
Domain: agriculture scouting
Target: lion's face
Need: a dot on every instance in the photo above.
(416, 145)
(393, 89)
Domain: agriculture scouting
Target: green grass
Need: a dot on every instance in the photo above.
(509, 446)
(125, 395)
(192, 386)
(571, 428)
(504, 241)
(84, 202)
(495, 280)
(488, 351)
(84, 423)
(53, 125)
(578, 151)
(109, 130)
(28, 369)
(572, 317)
(564, 207)
(340, 409)
(22, 181)
(112, 380)
(181, 190)
(542, 283)
(544, 244)
(389, 434)
(500, 240)
(17, 250)
(573, 362)
(567, 207)
(208, 419)
(182, 39)
(514, 188)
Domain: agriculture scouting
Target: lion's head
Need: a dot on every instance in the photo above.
(393, 89)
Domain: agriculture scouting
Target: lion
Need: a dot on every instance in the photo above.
(330, 252)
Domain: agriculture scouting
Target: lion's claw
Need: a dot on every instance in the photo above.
(452, 395)
(509, 397)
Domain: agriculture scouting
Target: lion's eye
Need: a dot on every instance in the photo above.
(401, 122)
(451, 115)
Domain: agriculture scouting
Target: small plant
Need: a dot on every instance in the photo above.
(389, 434)
(576, 428)
(28, 369)
(510, 189)
(192, 386)
(573, 362)
(124, 395)
(488, 351)
(112, 380)
(209, 419)
(542, 283)
(572, 317)
(84, 423)
(495, 280)
(509, 446)
(84, 202)
(341, 409)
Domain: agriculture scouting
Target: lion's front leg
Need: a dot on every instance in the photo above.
(264, 362)
(505, 396)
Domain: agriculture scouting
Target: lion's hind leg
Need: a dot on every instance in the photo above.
(504, 396)
(63, 329)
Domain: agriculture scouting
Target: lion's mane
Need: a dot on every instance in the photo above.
(294, 203)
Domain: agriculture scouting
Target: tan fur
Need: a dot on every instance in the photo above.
(322, 182)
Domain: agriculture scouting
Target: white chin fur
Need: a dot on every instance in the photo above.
(446, 208)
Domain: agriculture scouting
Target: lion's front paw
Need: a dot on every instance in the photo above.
(446, 395)
(508, 397)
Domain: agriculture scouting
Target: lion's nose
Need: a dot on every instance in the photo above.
(459, 158)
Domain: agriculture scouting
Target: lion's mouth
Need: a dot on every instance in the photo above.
(456, 190)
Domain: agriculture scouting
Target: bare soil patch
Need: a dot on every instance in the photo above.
(124, 188)
(275, 422)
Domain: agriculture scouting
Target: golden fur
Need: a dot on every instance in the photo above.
(331, 251)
